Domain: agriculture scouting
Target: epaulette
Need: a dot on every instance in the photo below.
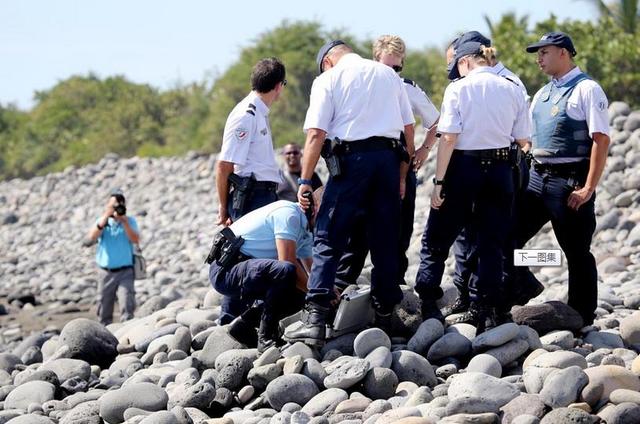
(408, 81)
(508, 78)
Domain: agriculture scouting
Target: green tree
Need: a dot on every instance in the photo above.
(625, 13)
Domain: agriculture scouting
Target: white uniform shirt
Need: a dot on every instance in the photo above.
(421, 104)
(587, 102)
(247, 140)
(357, 99)
(503, 71)
(486, 111)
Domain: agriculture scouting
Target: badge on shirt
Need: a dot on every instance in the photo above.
(263, 131)
(602, 106)
(554, 110)
(241, 134)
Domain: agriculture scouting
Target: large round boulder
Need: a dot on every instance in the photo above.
(90, 341)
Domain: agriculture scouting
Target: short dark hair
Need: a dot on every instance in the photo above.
(266, 74)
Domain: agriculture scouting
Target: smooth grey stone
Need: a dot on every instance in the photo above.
(485, 364)
(31, 392)
(160, 417)
(300, 417)
(142, 345)
(293, 365)
(428, 332)
(196, 415)
(409, 366)
(396, 414)
(420, 396)
(569, 416)
(445, 371)
(353, 404)
(300, 349)
(291, 407)
(145, 396)
(533, 378)
(66, 368)
(380, 383)
(600, 339)
(484, 418)
(218, 341)
(524, 404)
(348, 374)
(562, 338)
(471, 405)
(281, 417)
(449, 345)
(315, 371)
(624, 395)
(261, 376)
(40, 375)
(480, 385)
(324, 402)
(30, 419)
(560, 359)
(33, 355)
(369, 339)
(89, 341)
(269, 356)
(9, 414)
(562, 387)
(377, 407)
(495, 337)
(509, 352)
(8, 361)
(230, 356)
(290, 388)
(624, 413)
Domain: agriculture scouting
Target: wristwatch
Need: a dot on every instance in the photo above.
(437, 181)
(303, 181)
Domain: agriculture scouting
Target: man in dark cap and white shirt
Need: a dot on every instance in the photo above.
(570, 142)
(361, 106)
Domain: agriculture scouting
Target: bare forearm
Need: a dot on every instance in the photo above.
(409, 135)
(222, 183)
(312, 149)
(132, 235)
(599, 153)
(95, 232)
(301, 278)
(445, 150)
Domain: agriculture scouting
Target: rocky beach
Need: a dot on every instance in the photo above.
(172, 364)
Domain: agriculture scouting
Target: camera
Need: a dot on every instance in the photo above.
(120, 209)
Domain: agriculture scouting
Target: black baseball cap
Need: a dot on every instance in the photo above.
(324, 50)
(117, 193)
(464, 49)
(472, 36)
(554, 38)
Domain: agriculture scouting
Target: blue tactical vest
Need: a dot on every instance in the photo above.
(555, 134)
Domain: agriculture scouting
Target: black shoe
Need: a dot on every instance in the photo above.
(267, 333)
(430, 310)
(383, 322)
(460, 305)
(525, 287)
(313, 328)
(243, 331)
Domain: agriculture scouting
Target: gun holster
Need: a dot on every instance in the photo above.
(400, 147)
(242, 189)
(226, 249)
(331, 152)
(516, 156)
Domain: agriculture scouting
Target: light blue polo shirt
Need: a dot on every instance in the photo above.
(114, 248)
(278, 220)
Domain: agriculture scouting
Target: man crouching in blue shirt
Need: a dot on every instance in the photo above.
(116, 234)
(272, 267)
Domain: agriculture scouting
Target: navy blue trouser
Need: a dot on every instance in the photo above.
(352, 261)
(232, 307)
(464, 246)
(270, 280)
(370, 183)
(479, 196)
(546, 200)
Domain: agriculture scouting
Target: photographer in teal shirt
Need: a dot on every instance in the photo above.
(116, 233)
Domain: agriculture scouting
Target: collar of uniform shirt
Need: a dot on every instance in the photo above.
(567, 77)
(260, 105)
(498, 67)
(482, 69)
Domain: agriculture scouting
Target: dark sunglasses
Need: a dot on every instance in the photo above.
(293, 152)
(397, 68)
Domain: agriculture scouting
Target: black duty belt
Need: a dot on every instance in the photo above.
(562, 169)
(498, 154)
(265, 185)
(122, 268)
(371, 144)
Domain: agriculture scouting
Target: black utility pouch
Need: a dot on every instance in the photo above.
(226, 249)
(331, 150)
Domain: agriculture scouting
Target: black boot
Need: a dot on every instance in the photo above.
(482, 317)
(383, 321)
(430, 310)
(524, 287)
(459, 306)
(267, 333)
(312, 329)
(243, 328)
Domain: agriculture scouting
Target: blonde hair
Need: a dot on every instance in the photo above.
(486, 56)
(389, 44)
